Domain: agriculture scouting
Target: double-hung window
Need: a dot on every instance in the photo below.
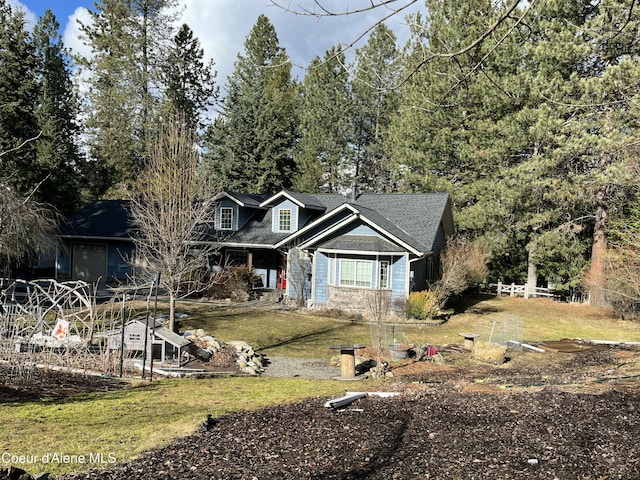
(226, 218)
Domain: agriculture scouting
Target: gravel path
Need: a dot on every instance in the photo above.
(287, 367)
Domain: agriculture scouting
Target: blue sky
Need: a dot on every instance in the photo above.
(62, 8)
(223, 25)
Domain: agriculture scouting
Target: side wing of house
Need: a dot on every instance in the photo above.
(355, 252)
(96, 244)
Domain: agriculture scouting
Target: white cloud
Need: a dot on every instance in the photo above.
(30, 17)
(72, 33)
(223, 27)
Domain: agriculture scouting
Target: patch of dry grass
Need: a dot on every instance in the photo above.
(305, 335)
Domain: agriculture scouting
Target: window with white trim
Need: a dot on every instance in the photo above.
(226, 218)
(284, 220)
(384, 274)
(331, 270)
(356, 273)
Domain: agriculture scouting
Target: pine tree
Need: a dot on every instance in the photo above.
(189, 80)
(250, 148)
(18, 93)
(376, 99)
(58, 158)
(127, 40)
(324, 152)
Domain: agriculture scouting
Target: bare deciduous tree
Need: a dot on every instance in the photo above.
(174, 229)
(26, 226)
(298, 271)
(379, 303)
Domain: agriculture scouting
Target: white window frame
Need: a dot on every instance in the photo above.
(331, 269)
(224, 210)
(384, 275)
(362, 273)
(280, 219)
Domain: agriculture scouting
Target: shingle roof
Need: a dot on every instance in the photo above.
(418, 215)
(101, 219)
(246, 199)
(360, 243)
(412, 218)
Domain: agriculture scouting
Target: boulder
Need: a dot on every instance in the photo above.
(239, 345)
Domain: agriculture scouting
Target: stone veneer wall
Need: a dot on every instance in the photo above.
(353, 300)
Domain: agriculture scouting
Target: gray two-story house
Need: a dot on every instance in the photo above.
(326, 249)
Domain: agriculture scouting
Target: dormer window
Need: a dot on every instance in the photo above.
(226, 218)
(284, 220)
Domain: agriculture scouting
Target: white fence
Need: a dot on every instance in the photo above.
(525, 291)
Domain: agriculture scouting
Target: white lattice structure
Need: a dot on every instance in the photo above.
(45, 322)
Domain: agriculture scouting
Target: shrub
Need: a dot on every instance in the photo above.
(236, 283)
(422, 305)
(464, 264)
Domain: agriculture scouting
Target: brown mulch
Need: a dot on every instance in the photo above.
(549, 416)
(444, 434)
(52, 385)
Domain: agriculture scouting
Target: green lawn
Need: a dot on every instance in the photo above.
(121, 425)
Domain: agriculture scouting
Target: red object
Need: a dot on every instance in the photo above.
(282, 278)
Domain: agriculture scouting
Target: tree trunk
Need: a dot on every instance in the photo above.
(172, 312)
(595, 276)
(532, 276)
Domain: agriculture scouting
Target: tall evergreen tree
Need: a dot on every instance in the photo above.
(190, 82)
(127, 40)
(376, 100)
(58, 158)
(250, 148)
(18, 94)
(324, 151)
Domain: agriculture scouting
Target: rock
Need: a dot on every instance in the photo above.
(239, 345)
(211, 343)
(202, 354)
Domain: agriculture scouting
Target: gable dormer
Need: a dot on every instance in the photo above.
(289, 210)
(226, 216)
(232, 210)
(284, 217)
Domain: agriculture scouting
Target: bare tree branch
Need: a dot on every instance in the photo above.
(21, 145)
(175, 230)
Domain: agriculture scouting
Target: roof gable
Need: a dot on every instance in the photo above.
(303, 200)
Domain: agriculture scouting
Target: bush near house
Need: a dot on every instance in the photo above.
(423, 305)
(237, 283)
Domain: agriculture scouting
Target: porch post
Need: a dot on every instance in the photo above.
(407, 277)
(313, 277)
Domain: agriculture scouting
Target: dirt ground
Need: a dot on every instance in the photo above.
(548, 416)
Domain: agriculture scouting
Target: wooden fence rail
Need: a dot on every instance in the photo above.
(525, 291)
